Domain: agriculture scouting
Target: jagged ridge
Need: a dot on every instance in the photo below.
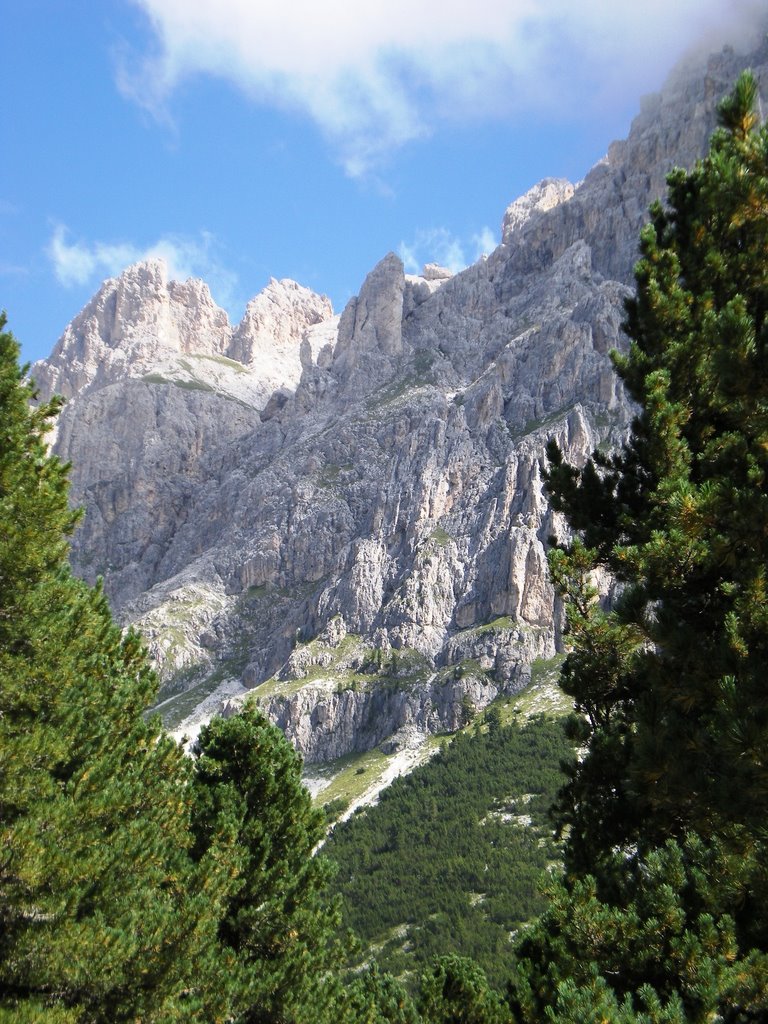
(382, 470)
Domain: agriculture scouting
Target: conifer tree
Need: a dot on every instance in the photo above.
(661, 915)
(371, 997)
(672, 681)
(278, 920)
(456, 991)
(102, 912)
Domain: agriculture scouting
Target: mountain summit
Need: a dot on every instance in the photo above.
(346, 515)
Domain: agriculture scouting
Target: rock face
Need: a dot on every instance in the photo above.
(131, 324)
(270, 334)
(325, 724)
(355, 698)
(158, 386)
(348, 515)
(370, 337)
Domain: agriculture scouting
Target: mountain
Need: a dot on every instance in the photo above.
(346, 514)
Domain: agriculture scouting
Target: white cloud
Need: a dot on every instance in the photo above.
(439, 245)
(77, 263)
(81, 263)
(484, 242)
(376, 74)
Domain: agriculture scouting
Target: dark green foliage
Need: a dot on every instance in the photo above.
(37, 1013)
(437, 855)
(673, 680)
(374, 998)
(669, 685)
(455, 991)
(135, 885)
(101, 910)
(335, 808)
(661, 935)
(277, 918)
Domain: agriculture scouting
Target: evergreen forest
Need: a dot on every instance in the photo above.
(138, 884)
(451, 858)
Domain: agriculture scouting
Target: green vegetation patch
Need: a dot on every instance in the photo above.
(543, 696)
(423, 361)
(462, 669)
(441, 537)
(440, 836)
(329, 475)
(222, 361)
(503, 622)
(275, 687)
(374, 667)
(175, 709)
(156, 378)
(186, 385)
(530, 426)
(395, 390)
(352, 776)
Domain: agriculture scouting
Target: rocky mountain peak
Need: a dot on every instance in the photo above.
(370, 329)
(276, 321)
(434, 272)
(544, 196)
(141, 324)
(133, 322)
(383, 470)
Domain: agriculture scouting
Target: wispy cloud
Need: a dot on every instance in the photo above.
(13, 270)
(484, 242)
(439, 245)
(376, 75)
(80, 262)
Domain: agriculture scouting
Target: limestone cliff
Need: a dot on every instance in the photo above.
(247, 488)
(153, 394)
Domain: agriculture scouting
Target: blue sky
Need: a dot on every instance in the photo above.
(245, 140)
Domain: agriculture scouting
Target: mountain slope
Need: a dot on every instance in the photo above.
(294, 510)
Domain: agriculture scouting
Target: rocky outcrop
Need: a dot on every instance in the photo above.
(370, 332)
(131, 324)
(608, 207)
(270, 334)
(326, 722)
(392, 477)
(544, 196)
(139, 452)
(155, 400)
(336, 696)
(141, 326)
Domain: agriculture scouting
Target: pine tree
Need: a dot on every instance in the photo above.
(371, 997)
(279, 921)
(672, 681)
(658, 944)
(669, 685)
(102, 912)
(456, 991)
